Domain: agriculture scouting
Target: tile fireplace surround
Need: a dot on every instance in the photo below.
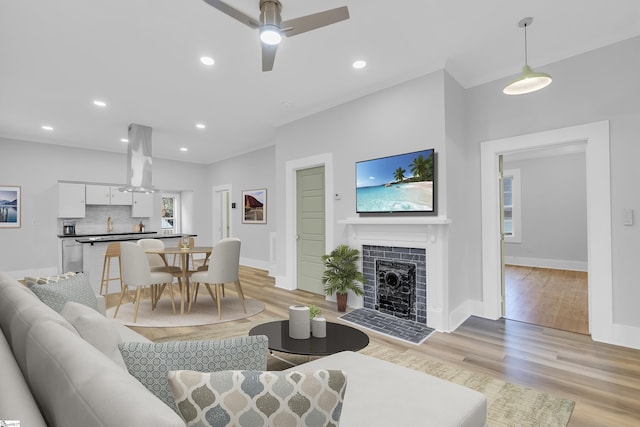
(428, 233)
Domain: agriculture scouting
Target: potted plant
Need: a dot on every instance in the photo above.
(341, 274)
(318, 322)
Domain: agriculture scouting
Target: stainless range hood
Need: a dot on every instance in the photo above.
(139, 160)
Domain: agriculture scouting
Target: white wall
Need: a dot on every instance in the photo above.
(464, 284)
(38, 167)
(250, 171)
(407, 117)
(595, 86)
(554, 212)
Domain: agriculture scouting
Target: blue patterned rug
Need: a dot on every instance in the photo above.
(394, 327)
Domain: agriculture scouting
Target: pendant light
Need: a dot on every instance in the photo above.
(529, 81)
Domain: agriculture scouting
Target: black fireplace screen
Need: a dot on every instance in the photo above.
(396, 288)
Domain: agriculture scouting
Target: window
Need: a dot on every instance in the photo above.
(170, 213)
(511, 196)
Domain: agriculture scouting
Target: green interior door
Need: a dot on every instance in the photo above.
(310, 229)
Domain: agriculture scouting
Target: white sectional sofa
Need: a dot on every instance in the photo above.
(55, 374)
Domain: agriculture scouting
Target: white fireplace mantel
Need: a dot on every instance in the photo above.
(400, 220)
(430, 233)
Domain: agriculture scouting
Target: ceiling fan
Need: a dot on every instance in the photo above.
(272, 28)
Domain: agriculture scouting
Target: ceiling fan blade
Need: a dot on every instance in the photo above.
(268, 56)
(306, 23)
(234, 13)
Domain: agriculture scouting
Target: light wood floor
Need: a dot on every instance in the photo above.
(547, 297)
(603, 380)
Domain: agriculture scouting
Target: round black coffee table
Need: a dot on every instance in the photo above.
(339, 338)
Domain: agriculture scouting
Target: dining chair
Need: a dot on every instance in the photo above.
(157, 262)
(223, 268)
(137, 273)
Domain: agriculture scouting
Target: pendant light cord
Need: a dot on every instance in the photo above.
(525, 44)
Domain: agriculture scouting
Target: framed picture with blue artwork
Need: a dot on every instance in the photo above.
(10, 207)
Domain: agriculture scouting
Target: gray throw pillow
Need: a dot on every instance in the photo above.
(95, 329)
(151, 362)
(57, 294)
(255, 398)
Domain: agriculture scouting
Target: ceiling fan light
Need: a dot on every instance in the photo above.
(528, 82)
(270, 34)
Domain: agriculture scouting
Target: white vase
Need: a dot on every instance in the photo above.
(319, 327)
(299, 322)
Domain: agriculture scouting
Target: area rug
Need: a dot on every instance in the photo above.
(508, 404)
(391, 326)
(203, 312)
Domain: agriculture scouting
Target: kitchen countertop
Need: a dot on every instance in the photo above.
(122, 237)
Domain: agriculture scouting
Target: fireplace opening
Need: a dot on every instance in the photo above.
(396, 288)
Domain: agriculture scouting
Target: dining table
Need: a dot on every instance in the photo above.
(184, 253)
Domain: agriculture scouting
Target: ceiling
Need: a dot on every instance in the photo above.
(141, 57)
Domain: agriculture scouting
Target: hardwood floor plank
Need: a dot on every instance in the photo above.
(603, 380)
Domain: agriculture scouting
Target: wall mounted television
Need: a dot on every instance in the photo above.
(396, 184)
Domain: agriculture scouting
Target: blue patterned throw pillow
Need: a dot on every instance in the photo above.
(56, 294)
(151, 362)
(259, 399)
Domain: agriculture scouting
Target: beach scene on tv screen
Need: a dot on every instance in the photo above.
(402, 183)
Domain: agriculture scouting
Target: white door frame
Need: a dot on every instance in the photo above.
(600, 280)
(291, 167)
(215, 211)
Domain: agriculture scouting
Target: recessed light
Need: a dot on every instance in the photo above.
(184, 149)
(124, 140)
(359, 64)
(46, 127)
(200, 126)
(99, 103)
(207, 60)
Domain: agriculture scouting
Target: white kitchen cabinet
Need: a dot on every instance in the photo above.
(71, 200)
(120, 197)
(107, 195)
(142, 205)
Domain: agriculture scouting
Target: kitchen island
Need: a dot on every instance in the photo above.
(94, 247)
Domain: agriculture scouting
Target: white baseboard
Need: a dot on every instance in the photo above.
(283, 283)
(462, 312)
(254, 263)
(626, 336)
(556, 264)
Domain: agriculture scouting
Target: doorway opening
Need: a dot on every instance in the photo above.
(545, 237)
(221, 209)
(600, 283)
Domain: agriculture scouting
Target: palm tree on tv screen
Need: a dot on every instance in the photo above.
(398, 175)
(419, 167)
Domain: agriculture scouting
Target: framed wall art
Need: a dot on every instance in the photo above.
(255, 206)
(10, 207)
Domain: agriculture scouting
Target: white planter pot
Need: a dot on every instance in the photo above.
(319, 327)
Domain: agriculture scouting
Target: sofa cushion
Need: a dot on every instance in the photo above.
(384, 394)
(77, 385)
(19, 310)
(256, 398)
(95, 329)
(57, 294)
(150, 362)
(16, 401)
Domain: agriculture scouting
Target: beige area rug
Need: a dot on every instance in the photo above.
(203, 312)
(508, 404)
